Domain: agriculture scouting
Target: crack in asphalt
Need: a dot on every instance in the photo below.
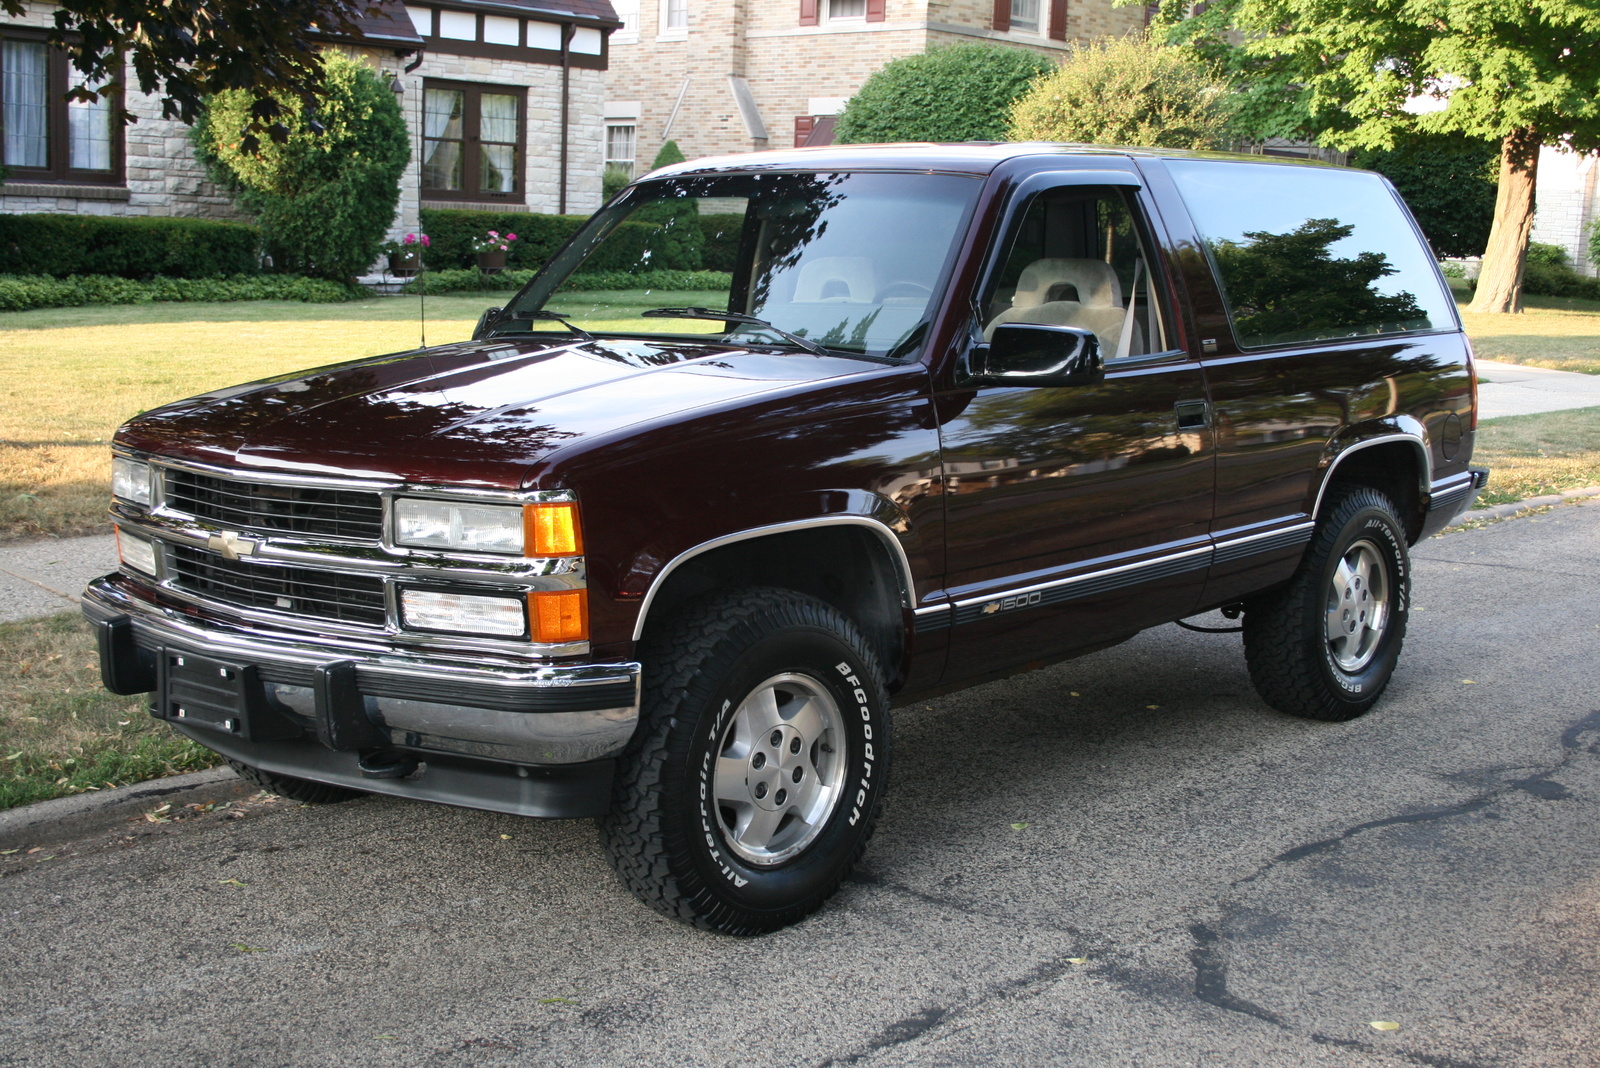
(1210, 967)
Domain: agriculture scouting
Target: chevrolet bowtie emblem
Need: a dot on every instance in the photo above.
(991, 608)
(232, 545)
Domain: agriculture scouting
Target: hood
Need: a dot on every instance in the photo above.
(474, 414)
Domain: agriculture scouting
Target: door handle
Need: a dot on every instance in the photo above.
(1193, 414)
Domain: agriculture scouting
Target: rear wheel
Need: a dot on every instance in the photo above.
(1325, 645)
(755, 778)
(312, 793)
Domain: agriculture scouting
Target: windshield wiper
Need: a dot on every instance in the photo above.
(736, 317)
(557, 316)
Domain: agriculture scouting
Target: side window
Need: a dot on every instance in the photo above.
(1310, 253)
(1078, 258)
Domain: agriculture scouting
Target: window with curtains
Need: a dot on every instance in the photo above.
(472, 141)
(846, 9)
(1025, 15)
(46, 137)
(620, 146)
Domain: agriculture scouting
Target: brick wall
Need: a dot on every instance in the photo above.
(1565, 209)
(789, 65)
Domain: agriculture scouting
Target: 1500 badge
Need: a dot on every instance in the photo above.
(1006, 604)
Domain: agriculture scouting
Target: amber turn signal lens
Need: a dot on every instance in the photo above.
(559, 615)
(551, 529)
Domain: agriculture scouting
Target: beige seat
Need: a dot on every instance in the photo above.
(1098, 307)
(836, 279)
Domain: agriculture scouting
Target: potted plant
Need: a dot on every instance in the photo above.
(491, 249)
(405, 257)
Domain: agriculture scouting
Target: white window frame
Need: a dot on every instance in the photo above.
(669, 9)
(828, 15)
(632, 162)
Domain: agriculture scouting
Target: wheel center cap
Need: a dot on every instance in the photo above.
(773, 761)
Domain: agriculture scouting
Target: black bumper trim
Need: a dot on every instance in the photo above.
(567, 791)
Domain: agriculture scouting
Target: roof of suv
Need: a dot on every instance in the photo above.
(973, 157)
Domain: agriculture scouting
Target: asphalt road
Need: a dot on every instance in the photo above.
(1199, 882)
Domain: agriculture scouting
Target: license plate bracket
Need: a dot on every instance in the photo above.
(216, 695)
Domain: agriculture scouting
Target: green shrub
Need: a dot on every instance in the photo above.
(1548, 274)
(62, 245)
(678, 239)
(1128, 90)
(450, 233)
(324, 200)
(22, 292)
(1450, 183)
(959, 93)
(611, 182)
(720, 252)
(475, 281)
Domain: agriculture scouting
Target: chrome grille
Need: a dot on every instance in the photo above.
(302, 591)
(240, 505)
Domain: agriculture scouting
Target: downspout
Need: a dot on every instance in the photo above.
(567, 30)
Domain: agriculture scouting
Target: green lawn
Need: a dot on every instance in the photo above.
(1556, 332)
(1532, 455)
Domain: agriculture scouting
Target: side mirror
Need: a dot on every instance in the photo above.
(1026, 354)
(486, 323)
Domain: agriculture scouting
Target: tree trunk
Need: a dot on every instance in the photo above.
(1500, 280)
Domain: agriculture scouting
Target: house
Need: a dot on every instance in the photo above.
(1566, 207)
(743, 75)
(504, 96)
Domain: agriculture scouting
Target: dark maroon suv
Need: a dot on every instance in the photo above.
(667, 558)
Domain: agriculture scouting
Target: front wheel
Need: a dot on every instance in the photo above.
(755, 778)
(1325, 645)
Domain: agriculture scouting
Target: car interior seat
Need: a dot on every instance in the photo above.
(836, 279)
(1093, 300)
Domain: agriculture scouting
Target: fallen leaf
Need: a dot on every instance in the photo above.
(123, 722)
(1075, 693)
(505, 836)
(1019, 826)
(8, 852)
(232, 882)
(242, 948)
(1152, 707)
(1384, 1025)
(1077, 960)
(35, 849)
(1469, 682)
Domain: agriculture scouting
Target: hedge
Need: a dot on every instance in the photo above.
(138, 247)
(22, 292)
(451, 232)
(475, 281)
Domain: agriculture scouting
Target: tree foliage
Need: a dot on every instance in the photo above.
(1449, 181)
(325, 196)
(1129, 90)
(958, 93)
(186, 52)
(1524, 73)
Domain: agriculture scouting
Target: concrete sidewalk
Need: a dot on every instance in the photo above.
(41, 577)
(1512, 389)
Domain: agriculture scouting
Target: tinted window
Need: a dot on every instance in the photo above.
(1308, 253)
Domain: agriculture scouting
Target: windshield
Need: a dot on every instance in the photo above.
(845, 262)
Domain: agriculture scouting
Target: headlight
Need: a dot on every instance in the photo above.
(489, 528)
(130, 480)
(463, 613)
(136, 553)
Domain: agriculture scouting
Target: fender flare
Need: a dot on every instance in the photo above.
(897, 554)
(1424, 463)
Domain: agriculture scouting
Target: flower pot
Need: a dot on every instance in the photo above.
(492, 261)
(405, 264)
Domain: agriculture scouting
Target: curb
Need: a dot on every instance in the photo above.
(1510, 508)
(67, 817)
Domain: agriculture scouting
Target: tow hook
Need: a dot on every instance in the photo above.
(386, 764)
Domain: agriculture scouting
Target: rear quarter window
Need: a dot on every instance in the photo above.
(1310, 254)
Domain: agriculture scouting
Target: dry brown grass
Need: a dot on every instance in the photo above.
(1532, 455)
(1554, 332)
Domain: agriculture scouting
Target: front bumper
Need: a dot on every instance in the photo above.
(532, 738)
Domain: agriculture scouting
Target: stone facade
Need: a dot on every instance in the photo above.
(682, 84)
(162, 176)
(1565, 208)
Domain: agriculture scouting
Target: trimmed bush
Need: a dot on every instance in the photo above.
(475, 281)
(1450, 183)
(633, 246)
(959, 93)
(63, 245)
(722, 234)
(325, 197)
(22, 292)
(1548, 274)
(1128, 91)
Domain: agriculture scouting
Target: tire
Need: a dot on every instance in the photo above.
(312, 793)
(756, 775)
(1324, 646)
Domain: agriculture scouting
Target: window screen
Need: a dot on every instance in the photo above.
(1310, 253)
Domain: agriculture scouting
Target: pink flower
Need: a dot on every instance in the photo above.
(511, 237)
